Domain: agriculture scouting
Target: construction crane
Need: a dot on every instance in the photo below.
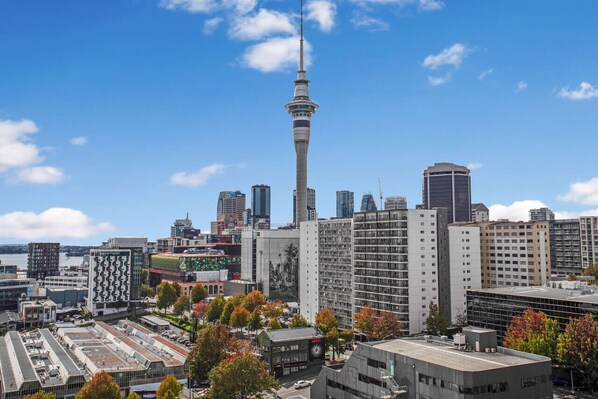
(380, 190)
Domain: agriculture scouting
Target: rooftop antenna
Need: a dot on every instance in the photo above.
(380, 189)
(301, 41)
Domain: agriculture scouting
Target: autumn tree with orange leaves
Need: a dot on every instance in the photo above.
(578, 347)
(533, 332)
(375, 325)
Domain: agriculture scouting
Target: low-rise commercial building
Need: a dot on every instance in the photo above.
(37, 313)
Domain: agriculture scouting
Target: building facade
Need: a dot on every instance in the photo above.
(391, 203)
(479, 213)
(367, 203)
(345, 204)
(565, 247)
(446, 185)
(260, 204)
(541, 215)
(588, 229)
(109, 281)
(43, 260)
(12, 288)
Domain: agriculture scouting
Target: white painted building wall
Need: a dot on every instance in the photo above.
(465, 265)
(308, 270)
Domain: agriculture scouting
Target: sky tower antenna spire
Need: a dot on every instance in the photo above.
(301, 41)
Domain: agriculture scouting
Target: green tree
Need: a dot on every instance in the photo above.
(237, 299)
(215, 309)
(242, 376)
(239, 317)
(101, 386)
(169, 388)
(255, 321)
(167, 296)
(182, 305)
(578, 347)
(198, 293)
(436, 323)
(274, 324)
(533, 332)
(144, 276)
(253, 300)
(212, 346)
(298, 321)
(365, 321)
(41, 395)
(226, 312)
(177, 287)
(272, 309)
(147, 291)
(133, 395)
(326, 320)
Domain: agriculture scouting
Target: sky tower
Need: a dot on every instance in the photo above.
(301, 108)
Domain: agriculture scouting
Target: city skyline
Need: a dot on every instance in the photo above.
(107, 120)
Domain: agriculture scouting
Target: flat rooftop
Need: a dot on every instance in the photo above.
(445, 355)
(543, 292)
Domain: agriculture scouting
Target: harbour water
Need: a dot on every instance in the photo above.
(21, 260)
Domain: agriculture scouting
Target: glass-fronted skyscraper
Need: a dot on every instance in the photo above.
(446, 185)
(345, 204)
(260, 202)
(367, 203)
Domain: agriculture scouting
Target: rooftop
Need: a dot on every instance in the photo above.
(543, 292)
(291, 334)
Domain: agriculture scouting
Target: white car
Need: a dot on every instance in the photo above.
(301, 384)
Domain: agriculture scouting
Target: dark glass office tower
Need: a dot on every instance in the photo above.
(345, 204)
(260, 202)
(446, 185)
(367, 203)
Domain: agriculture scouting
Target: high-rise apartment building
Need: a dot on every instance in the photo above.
(43, 260)
(401, 264)
(260, 204)
(325, 280)
(109, 288)
(541, 214)
(391, 203)
(367, 203)
(479, 213)
(234, 204)
(565, 247)
(220, 207)
(311, 213)
(514, 253)
(446, 185)
(139, 260)
(345, 204)
(588, 228)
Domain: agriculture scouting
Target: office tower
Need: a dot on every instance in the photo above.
(446, 185)
(179, 225)
(312, 214)
(541, 214)
(221, 197)
(401, 263)
(479, 213)
(565, 247)
(589, 240)
(248, 217)
(109, 281)
(392, 203)
(367, 203)
(233, 203)
(260, 203)
(345, 204)
(514, 253)
(326, 277)
(43, 260)
(301, 108)
(466, 265)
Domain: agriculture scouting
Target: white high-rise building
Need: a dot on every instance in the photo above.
(466, 266)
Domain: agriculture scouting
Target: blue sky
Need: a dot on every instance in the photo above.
(116, 117)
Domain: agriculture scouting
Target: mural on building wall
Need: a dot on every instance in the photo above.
(284, 279)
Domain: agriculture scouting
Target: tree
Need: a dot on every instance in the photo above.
(177, 287)
(242, 376)
(198, 293)
(272, 309)
(133, 395)
(169, 388)
(255, 321)
(461, 318)
(215, 308)
(41, 395)
(578, 347)
(571, 277)
(181, 305)
(274, 324)
(200, 309)
(326, 320)
(212, 346)
(147, 291)
(167, 295)
(365, 320)
(533, 332)
(436, 323)
(145, 276)
(298, 321)
(226, 312)
(254, 300)
(387, 326)
(592, 270)
(237, 299)
(101, 386)
(239, 317)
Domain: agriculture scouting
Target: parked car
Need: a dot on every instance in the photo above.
(301, 384)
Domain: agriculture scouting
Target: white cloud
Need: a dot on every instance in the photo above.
(53, 223)
(210, 25)
(240, 6)
(39, 175)
(521, 86)
(192, 6)
(197, 178)
(485, 73)
(430, 5)
(15, 148)
(453, 55)
(275, 54)
(474, 166)
(585, 91)
(263, 24)
(439, 80)
(422, 5)
(323, 12)
(517, 211)
(369, 23)
(575, 215)
(79, 140)
(583, 192)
